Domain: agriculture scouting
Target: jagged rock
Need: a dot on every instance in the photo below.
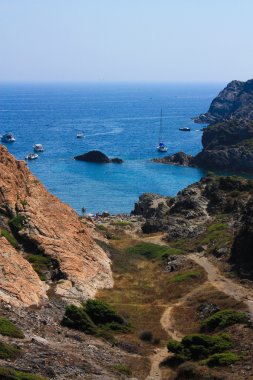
(186, 215)
(242, 253)
(52, 228)
(97, 157)
(19, 283)
(236, 100)
(179, 158)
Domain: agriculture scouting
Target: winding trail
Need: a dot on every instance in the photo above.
(220, 282)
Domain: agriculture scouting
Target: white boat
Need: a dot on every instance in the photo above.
(31, 156)
(38, 148)
(8, 138)
(80, 135)
(185, 129)
(161, 147)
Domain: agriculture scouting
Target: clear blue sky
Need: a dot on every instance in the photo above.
(126, 40)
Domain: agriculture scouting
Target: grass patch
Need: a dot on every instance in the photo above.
(101, 227)
(11, 374)
(11, 239)
(152, 251)
(10, 329)
(123, 369)
(40, 263)
(199, 346)
(8, 351)
(222, 319)
(222, 359)
(121, 223)
(185, 276)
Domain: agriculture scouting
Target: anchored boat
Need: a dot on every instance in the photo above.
(161, 147)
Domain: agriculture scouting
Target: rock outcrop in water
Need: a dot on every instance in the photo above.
(97, 157)
(48, 228)
(235, 100)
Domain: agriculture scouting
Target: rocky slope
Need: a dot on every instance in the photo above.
(235, 100)
(40, 227)
(214, 214)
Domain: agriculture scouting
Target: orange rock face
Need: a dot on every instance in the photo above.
(55, 230)
(19, 284)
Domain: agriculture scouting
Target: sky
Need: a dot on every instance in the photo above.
(126, 40)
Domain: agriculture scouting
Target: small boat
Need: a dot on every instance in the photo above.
(38, 148)
(161, 147)
(31, 156)
(80, 135)
(185, 129)
(8, 138)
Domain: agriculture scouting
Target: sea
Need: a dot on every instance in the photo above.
(121, 120)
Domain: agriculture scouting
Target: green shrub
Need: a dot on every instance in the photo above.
(106, 335)
(76, 318)
(11, 239)
(101, 313)
(8, 351)
(10, 329)
(146, 336)
(123, 368)
(152, 251)
(23, 202)
(17, 223)
(199, 346)
(222, 359)
(185, 276)
(95, 317)
(11, 374)
(41, 264)
(222, 319)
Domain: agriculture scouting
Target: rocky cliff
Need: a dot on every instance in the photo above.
(235, 100)
(227, 145)
(37, 228)
(215, 214)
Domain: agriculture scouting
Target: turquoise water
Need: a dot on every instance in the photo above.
(122, 120)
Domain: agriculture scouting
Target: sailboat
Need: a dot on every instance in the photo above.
(161, 147)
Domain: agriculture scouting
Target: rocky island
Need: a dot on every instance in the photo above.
(97, 157)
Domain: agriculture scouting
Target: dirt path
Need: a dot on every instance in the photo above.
(215, 278)
(224, 284)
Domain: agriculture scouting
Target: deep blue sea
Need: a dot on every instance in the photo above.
(121, 120)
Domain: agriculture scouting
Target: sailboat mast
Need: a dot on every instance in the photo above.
(161, 125)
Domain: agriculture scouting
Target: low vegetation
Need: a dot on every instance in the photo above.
(11, 374)
(11, 239)
(222, 319)
(152, 251)
(222, 359)
(10, 329)
(17, 223)
(199, 346)
(8, 351)
(95, 318)
(185, 276)
(41, 264)
(123, 369)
